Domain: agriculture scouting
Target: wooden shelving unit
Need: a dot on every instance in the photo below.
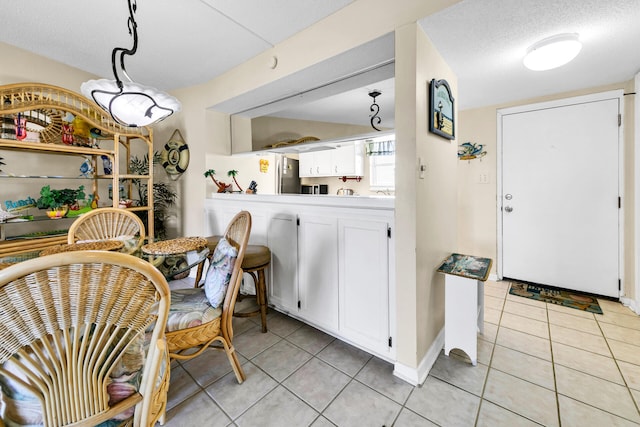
(55, 102)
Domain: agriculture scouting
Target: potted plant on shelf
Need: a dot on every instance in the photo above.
(58, 202)
(164, 195)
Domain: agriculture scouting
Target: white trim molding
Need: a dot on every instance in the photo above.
(636, 167)
(417, 376)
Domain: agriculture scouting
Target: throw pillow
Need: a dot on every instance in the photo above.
(219, 272)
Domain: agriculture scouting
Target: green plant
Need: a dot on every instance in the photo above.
(163, 195)
(53, 199)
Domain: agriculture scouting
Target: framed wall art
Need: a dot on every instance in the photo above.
(441, 109)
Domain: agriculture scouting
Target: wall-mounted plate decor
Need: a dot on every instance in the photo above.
(470, 151)
(441, 109)
(175, 155)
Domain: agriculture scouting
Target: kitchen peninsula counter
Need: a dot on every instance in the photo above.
(333, 260)
(359, 202)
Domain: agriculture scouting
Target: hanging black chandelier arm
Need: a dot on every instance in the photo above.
(133, 30)
(375, 109)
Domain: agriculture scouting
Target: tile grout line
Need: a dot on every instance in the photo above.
(615, 360)
(553, 367)
(493, 349)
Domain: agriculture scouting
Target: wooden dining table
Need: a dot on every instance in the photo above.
(173, 257)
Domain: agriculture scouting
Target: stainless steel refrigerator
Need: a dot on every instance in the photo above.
(288, 175)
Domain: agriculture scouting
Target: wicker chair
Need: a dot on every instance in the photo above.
(72, 328)
(190, 341)
(108, 223)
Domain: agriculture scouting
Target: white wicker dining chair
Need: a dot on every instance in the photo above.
(82, 340)
(109, 224)
(194, 324)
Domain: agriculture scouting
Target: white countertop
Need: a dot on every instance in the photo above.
(365, 202)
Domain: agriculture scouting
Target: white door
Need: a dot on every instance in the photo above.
(282, 238)
(560, 194)
(318, 270)
(363, 272)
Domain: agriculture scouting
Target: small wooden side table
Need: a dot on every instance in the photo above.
(464, 302)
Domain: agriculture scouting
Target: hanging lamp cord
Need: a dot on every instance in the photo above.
(133, 30)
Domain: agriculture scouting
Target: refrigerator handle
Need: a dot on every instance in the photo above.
(278, 174)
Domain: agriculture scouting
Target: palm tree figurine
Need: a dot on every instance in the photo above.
(232, 174)
(222, 187)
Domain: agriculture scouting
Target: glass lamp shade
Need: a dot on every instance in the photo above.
(552, 52)
(135, 105)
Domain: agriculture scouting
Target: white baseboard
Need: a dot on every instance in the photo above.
(631, 304)
(416, 376)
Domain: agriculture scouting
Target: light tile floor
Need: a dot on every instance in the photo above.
(538, 364)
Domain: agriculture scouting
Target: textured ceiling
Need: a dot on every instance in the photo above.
(181, 43)
(187, 42)
(484, 42)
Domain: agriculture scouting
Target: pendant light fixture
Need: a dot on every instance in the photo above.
(552, 52)
(375, 109)
(129, 103)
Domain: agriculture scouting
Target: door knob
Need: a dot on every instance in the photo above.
(508, 209)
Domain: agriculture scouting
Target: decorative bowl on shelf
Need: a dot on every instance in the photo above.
(57, 213)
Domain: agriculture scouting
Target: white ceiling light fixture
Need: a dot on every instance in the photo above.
(129, 103)
(552, 52)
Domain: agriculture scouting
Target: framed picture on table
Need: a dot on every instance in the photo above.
(441, 109)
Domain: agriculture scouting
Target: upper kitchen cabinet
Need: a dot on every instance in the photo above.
(344, 160)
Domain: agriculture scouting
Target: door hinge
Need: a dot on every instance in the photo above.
(619, 202)
(619, 120)
(298, 222)
(389, 232)
(299, 305)
(390, 342)
(619, 284)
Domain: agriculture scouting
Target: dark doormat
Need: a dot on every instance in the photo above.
(564, 297)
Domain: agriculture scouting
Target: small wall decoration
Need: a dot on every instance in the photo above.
(175, 155)
(441, 109)
(470, 151)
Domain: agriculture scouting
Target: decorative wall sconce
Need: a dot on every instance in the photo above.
(129, 103)
(375, 109)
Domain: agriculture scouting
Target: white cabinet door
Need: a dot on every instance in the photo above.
(323, 161)
(305, 165)
(317, 163)
(282, 237)
(348, 160)
(364, 282)
(318, 270)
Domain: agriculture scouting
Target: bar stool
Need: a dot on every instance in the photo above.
(256, 259)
